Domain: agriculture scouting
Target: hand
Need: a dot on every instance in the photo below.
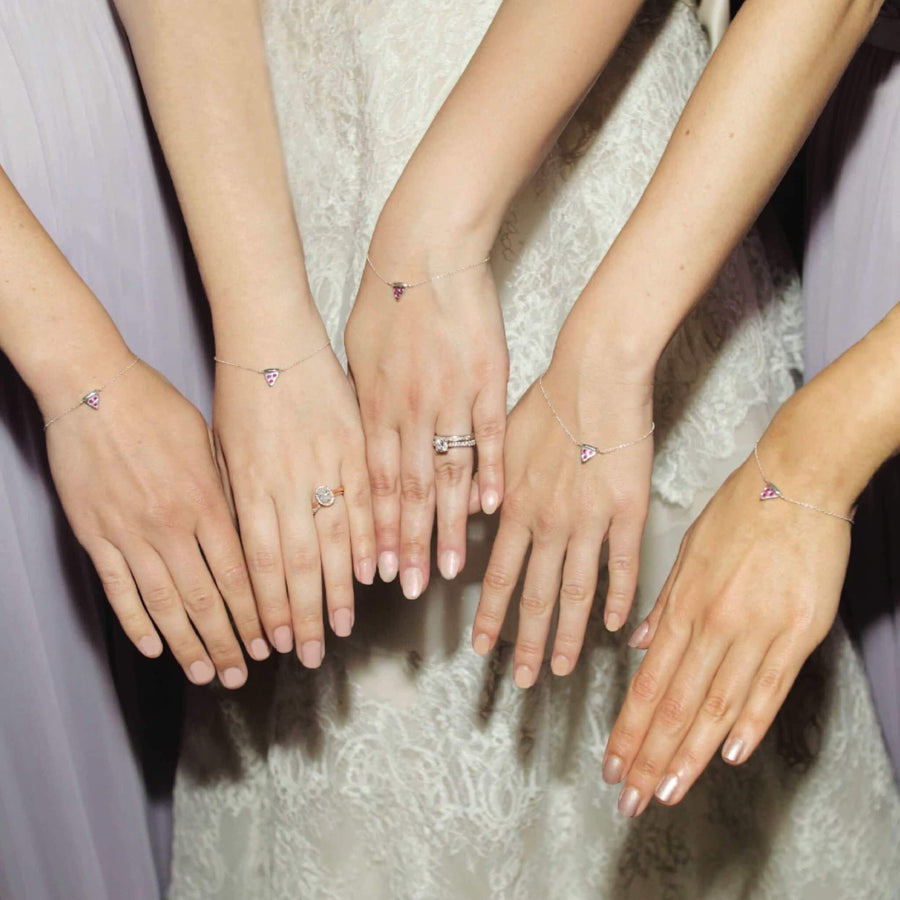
(434, 362)
(277, 445)
(565, 509)
(754, 589)
(138, 482)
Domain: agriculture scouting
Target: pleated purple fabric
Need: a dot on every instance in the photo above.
(76, 819)
(851, 279)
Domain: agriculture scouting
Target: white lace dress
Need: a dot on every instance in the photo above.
(408, 768)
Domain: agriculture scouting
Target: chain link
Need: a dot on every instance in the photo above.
(95, 391)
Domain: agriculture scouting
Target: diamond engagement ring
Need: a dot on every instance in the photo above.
(444, 443)
(325, 496)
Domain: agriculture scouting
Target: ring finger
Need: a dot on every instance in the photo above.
(333, 529)
(453, 484)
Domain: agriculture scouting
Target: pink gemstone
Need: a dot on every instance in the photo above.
(769, 492)
(587, 452)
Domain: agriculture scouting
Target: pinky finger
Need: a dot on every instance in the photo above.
(122, 594)
(624, 559)
(643, 635)
(474, 496)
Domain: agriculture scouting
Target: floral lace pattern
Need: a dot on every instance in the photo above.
(426, 774)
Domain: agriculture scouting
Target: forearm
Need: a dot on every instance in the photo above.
(203, 68)
(751, 110)
(54, 331)
(827, 441)
(534, 65)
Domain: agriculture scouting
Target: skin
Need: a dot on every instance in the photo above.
(203, 69)
(156, 526)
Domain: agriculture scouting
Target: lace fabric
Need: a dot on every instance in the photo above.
(407, 767)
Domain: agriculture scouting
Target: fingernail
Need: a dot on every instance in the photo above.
(733, 749)
(560, 665)
(449, 564)
(667, 788)
(259, 649)
(150, 645)
(639, 634)
(311, 654)
(201, 672)
(387, 566)
(482, 644)
(233, 677)
(366, 573)
(629, 801)
(490, 500)
(524, 677)
(411, 582)
(343, 622)
(613, 768)
(283, 639)
(613, 621)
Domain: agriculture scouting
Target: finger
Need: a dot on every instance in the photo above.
(776, 673)
(625, 532)
(333, 529)
(720, 707)
(262, 552)
(536, 605)
(303, 569)
(164, 606)
(644, 693)
(122, 594)
(671, 721)
(499, 582)
(358, 503)
(416, 509)
(474, 496)
(383, 459)
(643, 635)
(225, 558)
(576, 597)
(205, 608)
(489, 422)
(453, 485)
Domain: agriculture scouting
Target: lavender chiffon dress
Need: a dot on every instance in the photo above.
(84, 723)
(851, 280)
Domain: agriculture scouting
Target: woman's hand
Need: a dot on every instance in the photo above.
(433, 362)
(565, 509)
(754, 589)
(277, 445)
(138, 482)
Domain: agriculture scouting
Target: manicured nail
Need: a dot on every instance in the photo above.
(449, 564)
(150, 645)
(733, 749)
(613, 621)
(259, 649)
(560, 665)
(387, 566)
(411, 582)
(613, 769)
(201, 672)
(490, 500)
(283, 639)
(482, 644)
(667, 788)
(233, 677)
(524, 677)
(343, 622)
(311, 654)
(629, 801)
(639, 634)
(366, 571)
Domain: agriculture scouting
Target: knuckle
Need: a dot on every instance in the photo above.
(533, 605)
(569, 641)
(199, 600)
(451, 473)
(622, 564)
(382, 484)
(489, 430)
(264, 561)
(498, 580)
(234, 577)
(770, 680)
(161, 514)
(159, 599)
(672, 712)
(646, 768)
(273, 607)
(516, 508)
(529, 649)
(338, 531)
(133, 621)
(623, 742)
(116, 584)
(340, 593)
(358, 496)
(645, 685)
(574, 593)
(308, 621)
(489, 621)
(717, 618)
(716, 706)
(414, 489)
(221, 647)
(303, 559)
(547, 522)
(415, 549)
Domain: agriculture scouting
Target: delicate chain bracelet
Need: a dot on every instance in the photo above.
(401, 287)
(589, 451)
(271, 374)
(770, 492)
(92, 398)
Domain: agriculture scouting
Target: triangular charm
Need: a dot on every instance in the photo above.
(770, 492)
(399, 289)
(588, 451)
(91, 399)
(271, 376)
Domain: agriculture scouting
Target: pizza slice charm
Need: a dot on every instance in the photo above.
(770, 492)
(588, 451)
(91, 399)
